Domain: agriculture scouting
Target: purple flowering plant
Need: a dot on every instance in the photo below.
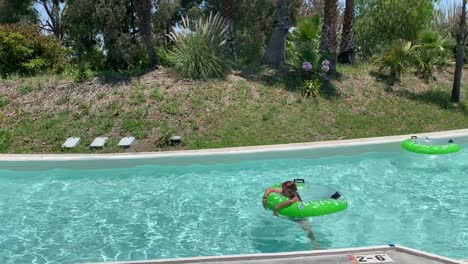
(314, 76)
(325, 66)
(307, 66)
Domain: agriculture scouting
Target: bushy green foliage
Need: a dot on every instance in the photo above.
(447, 21)
(164, 17)
(198, 51)
(303, 44)
(14, 11)
(93, 58)
(311, 88)
(254, 21)
(397, 58)
(384, 21)
(163, 56)
(25, 51)
(83, 73)
(431, 50)
(82, 34)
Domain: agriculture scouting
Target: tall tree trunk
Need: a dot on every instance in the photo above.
(228, 14)
(347, 38)
(276, 49)
(144, 11)
(459, 57)
(328, 40)
(54, 24)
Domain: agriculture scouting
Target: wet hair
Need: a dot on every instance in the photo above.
(289, 185)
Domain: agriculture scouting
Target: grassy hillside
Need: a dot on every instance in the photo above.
(248, 108)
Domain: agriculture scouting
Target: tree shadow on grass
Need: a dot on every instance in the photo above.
(328, 90)
(436, 97)
(123, 76)
(284, 76)
(386, 79)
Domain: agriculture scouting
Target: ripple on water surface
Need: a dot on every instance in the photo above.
(149, 212)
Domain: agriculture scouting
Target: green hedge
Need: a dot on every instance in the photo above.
(25, 51)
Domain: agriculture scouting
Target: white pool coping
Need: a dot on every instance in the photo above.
(292, 257)
(235, 150)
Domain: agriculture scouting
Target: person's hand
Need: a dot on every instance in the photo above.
(275, 211)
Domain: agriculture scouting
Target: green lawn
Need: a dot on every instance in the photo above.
(264, 107)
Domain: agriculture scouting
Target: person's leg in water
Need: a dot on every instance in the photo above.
(310, 234)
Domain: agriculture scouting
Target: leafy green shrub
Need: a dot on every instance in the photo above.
(25, 51)
(397, 59)
(5, 140)
(82, 74)
(381, 22)
(163, 56)
(432, 50)
(93, 57)
(311, 88)
(198, 52)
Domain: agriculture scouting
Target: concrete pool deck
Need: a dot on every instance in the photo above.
(393, 254)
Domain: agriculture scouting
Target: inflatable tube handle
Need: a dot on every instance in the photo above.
(299, 181)
(414, 137)
(450, 141)
(336, 195)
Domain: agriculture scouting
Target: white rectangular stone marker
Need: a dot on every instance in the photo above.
(99, 142)
(375, 258)
(126, 142)
(71, 142)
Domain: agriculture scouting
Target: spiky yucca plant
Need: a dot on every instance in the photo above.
(198, 52)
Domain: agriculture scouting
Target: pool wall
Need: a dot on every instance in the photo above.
(223, 155)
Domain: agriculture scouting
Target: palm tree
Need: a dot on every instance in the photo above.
(459, 56)
(144, 11)
(227, 10)
(347, 37)
(328, 43)
(275, 51)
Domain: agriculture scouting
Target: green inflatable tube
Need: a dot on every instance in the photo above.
(306, 208)
(429, 146)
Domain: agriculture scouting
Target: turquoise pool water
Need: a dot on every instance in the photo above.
(151, 212)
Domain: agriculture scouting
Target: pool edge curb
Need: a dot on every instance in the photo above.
(289, 255)
(231, 150)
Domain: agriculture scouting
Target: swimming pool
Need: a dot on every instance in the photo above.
(136, 209)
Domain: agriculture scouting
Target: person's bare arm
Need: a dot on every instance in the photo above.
(270, 190)
(267, 192)
(284, 204)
